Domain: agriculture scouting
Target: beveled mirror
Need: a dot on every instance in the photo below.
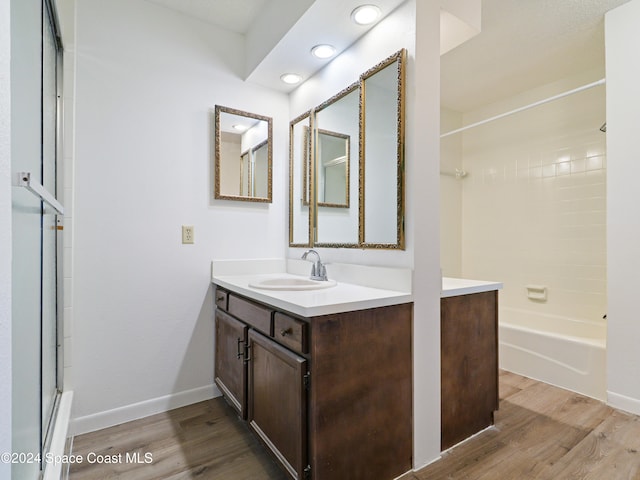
(243, 155)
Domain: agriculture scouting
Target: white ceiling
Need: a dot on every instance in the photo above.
(523, 43)
(325, 21)
(280, 33)
(234, 15)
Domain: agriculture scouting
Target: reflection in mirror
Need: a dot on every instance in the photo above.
(336, 123)
(260, 155)
(244, 167)
(242, 155)
(382, 174)
(366, 122)
(300, 208)
(333, 169)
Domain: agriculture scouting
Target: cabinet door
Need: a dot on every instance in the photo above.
(230, 367)
(469, 367)
(278, 401)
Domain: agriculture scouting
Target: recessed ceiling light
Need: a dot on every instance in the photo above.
(323, 51)
(365, 14)
(239, 128)
(291, 78)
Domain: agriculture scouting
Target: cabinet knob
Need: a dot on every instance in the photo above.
(286, 332)
(220, 298)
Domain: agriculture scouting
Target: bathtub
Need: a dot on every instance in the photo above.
(562, 351)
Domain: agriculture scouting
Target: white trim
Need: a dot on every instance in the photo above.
(417, 468)
(53, 471)
(135, 411)
(621, 402)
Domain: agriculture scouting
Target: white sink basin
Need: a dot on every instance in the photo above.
(292, 283)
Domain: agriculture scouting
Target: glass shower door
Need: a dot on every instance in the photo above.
(34, 120)
(26, 219)
(49, 330)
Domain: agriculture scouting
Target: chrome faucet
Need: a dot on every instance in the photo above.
(318, 270)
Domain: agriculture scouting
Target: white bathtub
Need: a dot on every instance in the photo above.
(558, 350)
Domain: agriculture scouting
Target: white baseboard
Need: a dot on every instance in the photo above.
(621, 402)
(53, 470)
(135, 411)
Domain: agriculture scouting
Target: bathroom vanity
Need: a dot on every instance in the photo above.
(469, 358)
(322, 377)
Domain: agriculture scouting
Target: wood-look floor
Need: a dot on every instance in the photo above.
(546, 433)
(205, 440)
(541, 432)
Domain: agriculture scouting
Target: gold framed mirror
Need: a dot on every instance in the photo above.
(382, 94)
(243, 155)
(323, 211)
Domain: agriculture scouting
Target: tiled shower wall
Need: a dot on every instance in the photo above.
(533, 206)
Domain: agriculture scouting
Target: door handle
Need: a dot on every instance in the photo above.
(239, 350)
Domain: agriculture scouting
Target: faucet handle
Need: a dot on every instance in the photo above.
(322, 271)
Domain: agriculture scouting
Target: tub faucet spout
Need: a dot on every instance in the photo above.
(318, 270)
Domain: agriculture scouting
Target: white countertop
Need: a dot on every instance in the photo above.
(358, 287)
(344, 297)
(452, 287)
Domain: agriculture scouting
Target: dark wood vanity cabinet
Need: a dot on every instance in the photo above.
(330, 396)
(469, 365)
(277, 410)
(230, 367)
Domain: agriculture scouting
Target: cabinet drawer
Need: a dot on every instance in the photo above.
(290, 332)
(257, 316)
(221, 298)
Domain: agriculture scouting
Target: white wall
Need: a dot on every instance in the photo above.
(623, 209)
(5, 234)
(146, 82)
(534, 203)
(423, 154)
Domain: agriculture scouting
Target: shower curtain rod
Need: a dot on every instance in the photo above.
(526, 107)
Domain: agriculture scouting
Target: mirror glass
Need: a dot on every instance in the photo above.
(243, 158)
(382, 185)
(336, 155)
(347, 165)
(300, 208)
(333, 153)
